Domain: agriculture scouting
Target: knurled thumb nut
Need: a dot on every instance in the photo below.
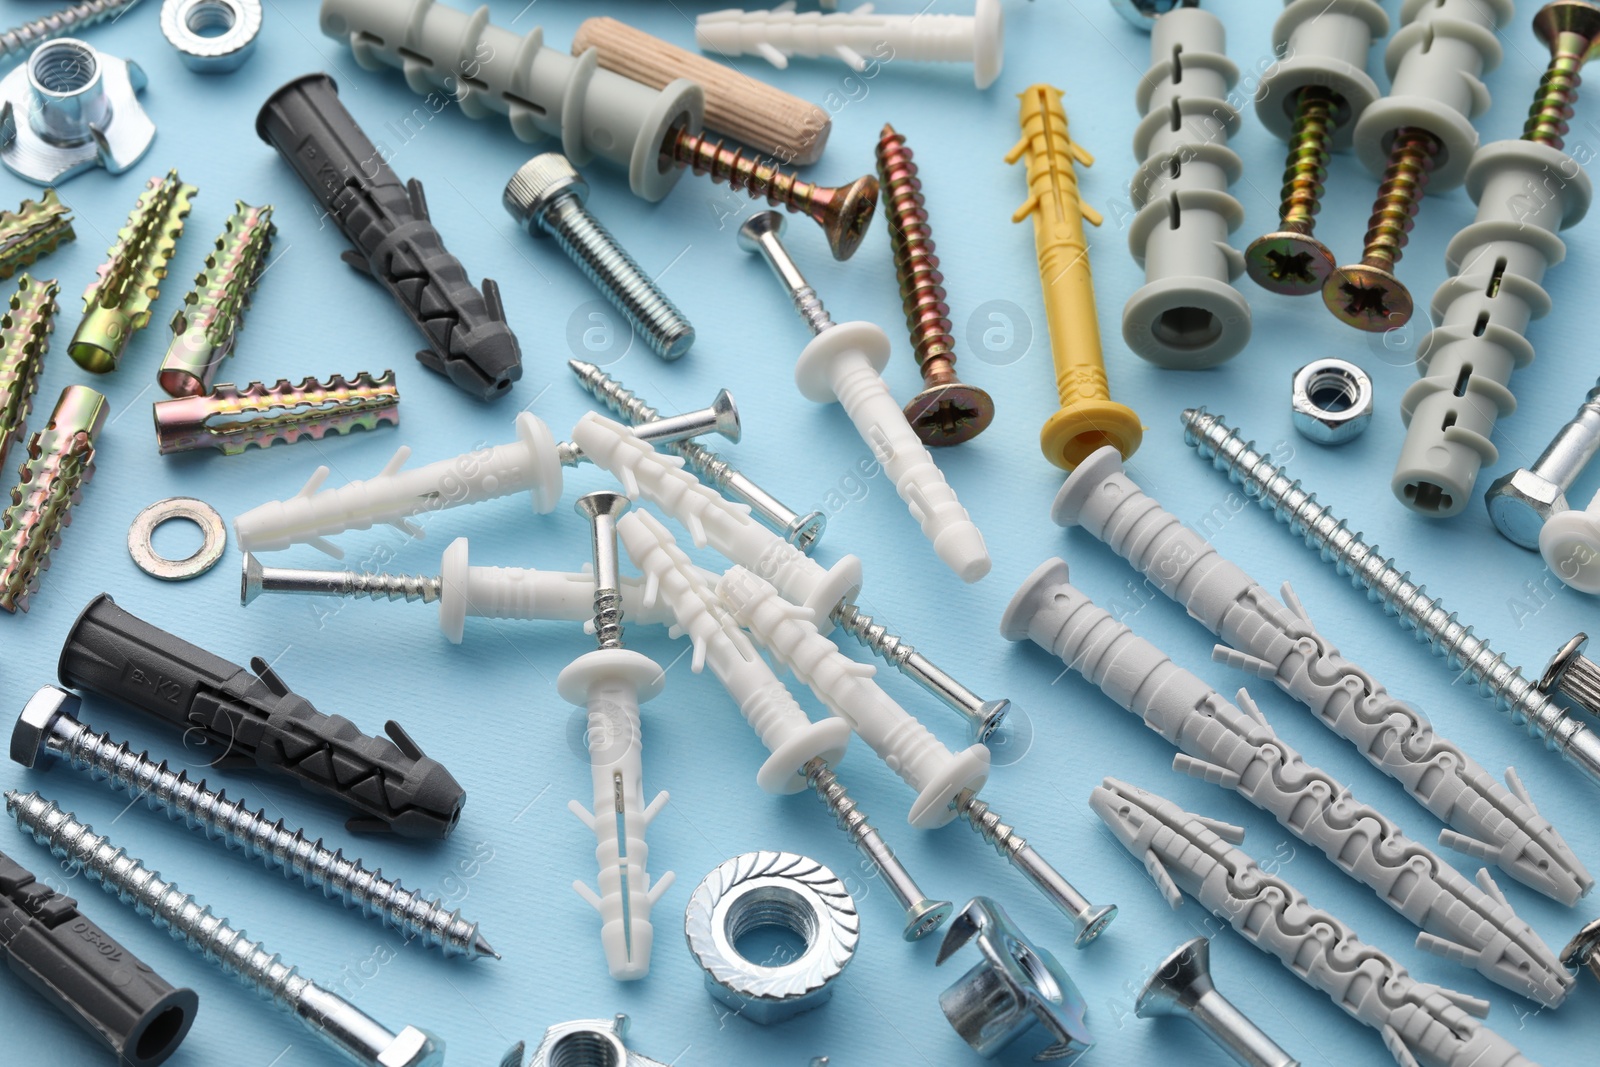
(536, 184)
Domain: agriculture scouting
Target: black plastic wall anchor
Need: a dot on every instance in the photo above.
(86, 975)
(254, 720)
(387, 222)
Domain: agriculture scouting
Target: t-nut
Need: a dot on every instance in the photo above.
(773, 890)
(1332, 401)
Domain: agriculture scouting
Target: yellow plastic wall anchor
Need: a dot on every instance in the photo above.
(1089, 418)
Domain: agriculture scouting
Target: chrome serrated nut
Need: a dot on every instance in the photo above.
(1332, 401)
(238, 22)
(69, 108)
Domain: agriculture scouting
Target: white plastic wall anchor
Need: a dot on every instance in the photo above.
(528, 464)
(1435, 62)
(1487, 821)
(842, 364)
(713, 520)
(1570, 545)
(674, 583)
(1422, 1025)
(1525, 192)
(857, 36)
(1323, 45)
(1237, 749)
(456, 56)
(612, 683)
(526, 593)
(846, 687)
(1187, 315)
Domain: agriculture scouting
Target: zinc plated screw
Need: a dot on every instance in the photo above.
(1571, 30)
(359, 1037)
(1393, 588)
(48, 731)
(722, 417)
(602, 510)
(1520, 502)
(60, 23)
(1181, 985)
(844, 212)
(947, 411)
(1290, 260)
(547, 195)
(1367, 295)
(802, 531)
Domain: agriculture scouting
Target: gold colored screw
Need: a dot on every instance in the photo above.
(844, 212)
(1367, 295)
(1291, 261)
(947, 411)
(1571, 30)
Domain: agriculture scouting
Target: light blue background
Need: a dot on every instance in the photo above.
(488, 708)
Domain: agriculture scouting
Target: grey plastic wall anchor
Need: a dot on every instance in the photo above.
(1324, 44)
(1187, 315)
(448, 53)
(1489, 822)
(1237, 749)
(1435, 62)
(1525, 193)
(1422, 1025)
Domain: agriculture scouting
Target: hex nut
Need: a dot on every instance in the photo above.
(1520, 503)
(188, 25)
(33, 725)
(771, 889)
(1332, 402)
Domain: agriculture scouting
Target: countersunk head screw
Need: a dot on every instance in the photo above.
(1291, 261)
(1571, 30)
(1181, 985)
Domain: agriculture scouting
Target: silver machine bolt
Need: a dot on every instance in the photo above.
(346, 1028)
(923, 916)
(722, 417)
(547, 196)
(1181, 985)
(1393, 588)
(801, 531)
(60, 23)
(602, 509)
(47, 731)
(1521, 502)
(1574, 675)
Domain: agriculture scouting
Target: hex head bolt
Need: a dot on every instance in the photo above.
(842, 364)
(802, 751)
(344, 1027)
(947, 411)
(802, 531)
(1385, 583)
(547, 196)
(1521, 502)
(530, 464)
(47, 732)
(946, 782)
(1181, 985)
(1088, 417)
(611, 683)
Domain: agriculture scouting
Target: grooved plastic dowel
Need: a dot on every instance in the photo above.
(781, 32)
(1435, 61)
(1525, 192)
(1188, 314)
(457, 56)
(713, 520)
(1487, 821)
(846, 687)
(1322, 45)
(312, 515)
(673, 582)
(611, 683)
(393, 239)
(1239, 750)
(255, 720)
(1421, 1025)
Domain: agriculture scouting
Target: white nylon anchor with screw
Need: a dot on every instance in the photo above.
(842, 364)
(611, 682)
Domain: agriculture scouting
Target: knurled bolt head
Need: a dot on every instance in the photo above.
(537, 184)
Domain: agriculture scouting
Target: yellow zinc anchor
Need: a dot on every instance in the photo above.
(1089, 418)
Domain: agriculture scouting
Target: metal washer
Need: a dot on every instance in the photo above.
(213, 531)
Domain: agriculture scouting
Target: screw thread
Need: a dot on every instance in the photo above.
(747, 173)
(618, 275)
(407, 588)
(257, 836)
(59, 23)
(33, 230)
(1405, 179)
(1310, 142)
(922, 292)
(1554, 100)
(608, 618)
(625, 402)
(873, 636)
(1384, 582)
(986, 821)
(851, 819)
(167, 906)
(811, 309)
